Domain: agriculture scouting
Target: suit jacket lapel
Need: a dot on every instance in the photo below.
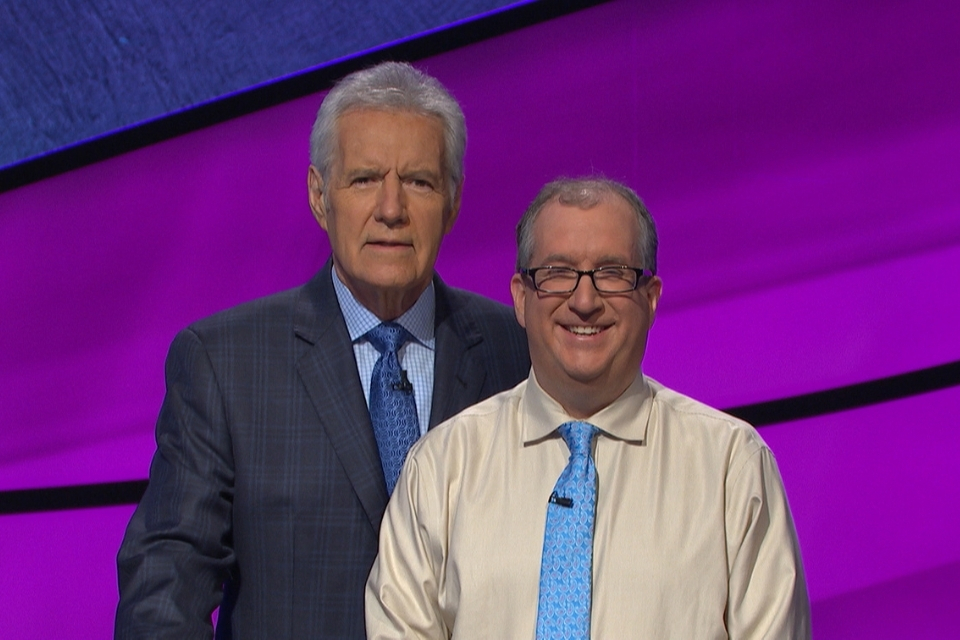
(458, 375)
(329, 371)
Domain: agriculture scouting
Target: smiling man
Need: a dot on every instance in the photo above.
(286, 419)
(589, 501)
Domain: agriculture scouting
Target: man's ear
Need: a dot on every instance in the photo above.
(315, 196)
(454, 209)
(652, 293)
(519, 292)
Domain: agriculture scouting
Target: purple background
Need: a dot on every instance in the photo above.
(801, 161)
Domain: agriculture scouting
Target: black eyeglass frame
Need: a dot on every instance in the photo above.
(642, 276)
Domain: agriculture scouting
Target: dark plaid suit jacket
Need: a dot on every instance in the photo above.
(267, 477)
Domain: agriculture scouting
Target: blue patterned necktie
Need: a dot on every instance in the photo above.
(393, 409)
(566, 570)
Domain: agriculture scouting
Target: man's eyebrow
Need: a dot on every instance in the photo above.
(362, 171)
(557, 258)
(420, 172)
(359, 172)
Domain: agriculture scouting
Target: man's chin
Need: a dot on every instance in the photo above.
(389, 276)
(587, 373)
(581, 382)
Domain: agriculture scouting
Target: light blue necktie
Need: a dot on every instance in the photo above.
(393, 409)
(566, 570)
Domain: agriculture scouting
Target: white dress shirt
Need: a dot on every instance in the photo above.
(693, 535)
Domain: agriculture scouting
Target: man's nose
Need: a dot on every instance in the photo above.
(392, 205)
(585, 299)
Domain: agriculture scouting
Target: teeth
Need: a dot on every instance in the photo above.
(584, 331)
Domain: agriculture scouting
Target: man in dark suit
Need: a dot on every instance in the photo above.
(268, 486)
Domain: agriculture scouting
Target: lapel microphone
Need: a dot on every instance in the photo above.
(560, 501)
(404, 385)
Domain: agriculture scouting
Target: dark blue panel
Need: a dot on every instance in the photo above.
(76, 69)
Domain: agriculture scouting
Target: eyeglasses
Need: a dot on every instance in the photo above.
(618, 279)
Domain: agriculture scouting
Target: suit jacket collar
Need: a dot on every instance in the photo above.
(328, 369)
(458, 374)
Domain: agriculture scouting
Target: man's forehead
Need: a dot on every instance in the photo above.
(607, 207)
(400, 112)
(360, 139)
(562, 232)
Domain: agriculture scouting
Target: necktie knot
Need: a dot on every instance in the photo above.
(578, 435)
(388, 337)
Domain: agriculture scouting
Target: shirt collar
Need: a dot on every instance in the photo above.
(418, 319)
(624, 419)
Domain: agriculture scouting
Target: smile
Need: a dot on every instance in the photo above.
(583, 331)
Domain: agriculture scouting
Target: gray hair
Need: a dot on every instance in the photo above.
(391, 86)
(587, 193)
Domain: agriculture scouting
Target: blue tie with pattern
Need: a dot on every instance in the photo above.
(393, 409)
(566, 570)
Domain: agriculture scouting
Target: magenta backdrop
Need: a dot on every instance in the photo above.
(801, 161)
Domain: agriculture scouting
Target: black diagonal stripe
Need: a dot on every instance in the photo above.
(853, 396)
(107, 494)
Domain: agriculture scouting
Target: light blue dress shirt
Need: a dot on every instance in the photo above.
(416, 356)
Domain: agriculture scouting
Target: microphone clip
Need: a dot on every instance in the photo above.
(404, 385)
(560, 501)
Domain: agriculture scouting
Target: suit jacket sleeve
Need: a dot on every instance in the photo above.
(177, 549)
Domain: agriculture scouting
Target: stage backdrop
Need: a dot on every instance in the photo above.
(801, 162)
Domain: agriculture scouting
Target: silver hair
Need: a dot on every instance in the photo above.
(391, 86)
(587, 193)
